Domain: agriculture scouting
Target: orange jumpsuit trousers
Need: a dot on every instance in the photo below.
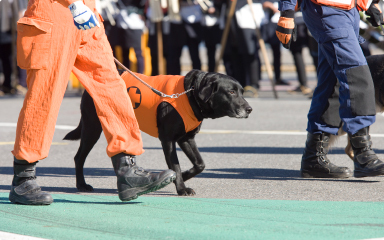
(49, 46)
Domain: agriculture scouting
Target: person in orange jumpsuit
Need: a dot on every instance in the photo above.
(52, 41)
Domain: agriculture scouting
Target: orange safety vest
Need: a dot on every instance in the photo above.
(145, 102)
(362, 5)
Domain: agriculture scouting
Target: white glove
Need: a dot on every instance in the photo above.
(83, 17)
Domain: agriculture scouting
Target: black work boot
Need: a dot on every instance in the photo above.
(133, 181)
(24, 188)
(366, 161)
(315, 164)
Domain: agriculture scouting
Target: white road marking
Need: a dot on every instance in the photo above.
(60, 127)
(214, 131)
(53, 143)
(13, 236)
(288, 133)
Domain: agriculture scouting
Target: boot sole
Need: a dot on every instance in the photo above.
(133, 193)
(361, 174)
(325, 175)
(18, 200)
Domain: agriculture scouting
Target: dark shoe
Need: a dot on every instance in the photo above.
(301, 89)
(367, 164)
(133, 181)
(20, 90)
(251, 92)
(9, 90)
(315, 164)
(24, 188)
(281, 82)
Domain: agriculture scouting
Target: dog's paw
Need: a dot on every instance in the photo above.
(84, 188)
(186, 192)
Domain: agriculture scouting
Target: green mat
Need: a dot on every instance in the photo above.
(74, 216)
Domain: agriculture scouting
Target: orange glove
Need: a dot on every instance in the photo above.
(286, 28)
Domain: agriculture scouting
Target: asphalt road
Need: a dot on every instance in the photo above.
(251, 187)
(254, 158)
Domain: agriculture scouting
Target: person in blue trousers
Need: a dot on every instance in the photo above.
(335, 26)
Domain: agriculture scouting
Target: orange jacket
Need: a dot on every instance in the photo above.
(362, 5)
(145, 102)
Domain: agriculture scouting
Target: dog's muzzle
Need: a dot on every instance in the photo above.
(243, 113)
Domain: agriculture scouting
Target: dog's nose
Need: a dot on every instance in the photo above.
(248, 110)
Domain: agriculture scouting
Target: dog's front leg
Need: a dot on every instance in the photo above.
(169, 148)
(189, 147)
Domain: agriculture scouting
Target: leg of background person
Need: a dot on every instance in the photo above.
(313, 50)
(173, 60)
(276, 49)
(252, 70)
(6, 59)
(239, 71)
(300, 67)
(211, 53)
(152, 44)
(301, 71)
(126, 61)
(22, 77)
(140, 60)
(365, 47)
(193, 46)
(228, 65)
(276, 60)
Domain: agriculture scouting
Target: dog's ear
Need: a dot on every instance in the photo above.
(204, 83)
(193, 74)
(206, 86)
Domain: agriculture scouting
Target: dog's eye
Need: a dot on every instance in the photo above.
(232, 92)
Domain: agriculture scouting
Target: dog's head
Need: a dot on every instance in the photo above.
(219, 95)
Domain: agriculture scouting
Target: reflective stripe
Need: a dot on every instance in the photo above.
(341, 4)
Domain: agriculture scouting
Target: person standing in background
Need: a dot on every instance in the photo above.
(213, 25)
(130, 26)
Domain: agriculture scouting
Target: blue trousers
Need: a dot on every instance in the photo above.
(340, 58)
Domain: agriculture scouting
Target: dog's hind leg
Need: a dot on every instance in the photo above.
(87, 142)
(189, 147)
(348, 150)
(90, 134)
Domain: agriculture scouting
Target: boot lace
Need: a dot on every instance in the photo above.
(131, 160)
(322, 155)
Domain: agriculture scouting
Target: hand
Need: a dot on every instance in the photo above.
(286, 28)
(375, 16)
(83, 17)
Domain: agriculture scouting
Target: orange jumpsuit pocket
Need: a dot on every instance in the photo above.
(33, 43)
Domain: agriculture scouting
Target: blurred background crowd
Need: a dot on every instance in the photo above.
(150, 37)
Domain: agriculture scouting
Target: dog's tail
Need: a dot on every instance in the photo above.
(75, 134)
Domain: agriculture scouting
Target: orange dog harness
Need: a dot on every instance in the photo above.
(145, 102)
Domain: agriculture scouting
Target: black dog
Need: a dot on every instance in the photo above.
(215, 95)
